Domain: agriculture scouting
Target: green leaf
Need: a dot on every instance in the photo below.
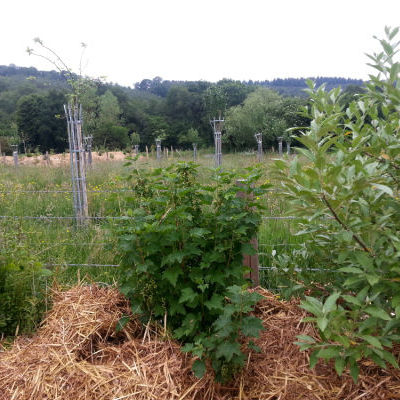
(198, 232)
(372, 279)
(378, 313)
(340, 363)
(329, 352)
(251, 326)
(187, 295)
(122, 322)
(46, 272)
(171, 274)
(199, 368)
(378, 360)
(372, 340)
(330, 303)
(322, 323)
(352, 300)
(354, 371)
(351, 270)
(312, 305)
(252, 346)
(215, 303)
(306, 338)
(187, 348)
(227, 350)
(314, 358)
(389, 357)
(383, 188)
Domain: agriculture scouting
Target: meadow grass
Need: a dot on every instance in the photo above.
(59, 242)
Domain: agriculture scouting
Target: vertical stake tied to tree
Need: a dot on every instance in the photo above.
(73, 114)
(258, 137)
(194, 151)
(15, 154)
(250, 261)
(88, 140)
(288, 146)
(217, 125)
(158, 148)
(280, 149)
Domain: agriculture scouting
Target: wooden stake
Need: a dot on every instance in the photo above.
(248, 260)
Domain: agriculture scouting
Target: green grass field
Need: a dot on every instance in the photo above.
(44, 191)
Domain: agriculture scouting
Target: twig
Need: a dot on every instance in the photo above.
(355, 237)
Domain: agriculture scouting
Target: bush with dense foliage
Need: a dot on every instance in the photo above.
(347, 192)
(183, 260)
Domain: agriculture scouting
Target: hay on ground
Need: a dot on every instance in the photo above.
(78, 355)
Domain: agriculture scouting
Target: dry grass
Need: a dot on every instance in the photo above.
(77, 354)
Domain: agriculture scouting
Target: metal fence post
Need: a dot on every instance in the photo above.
(158, 148)
(258, 137)
(15, 154)
(217, 125)
(194, 151)
(288, 146)
(280, 150)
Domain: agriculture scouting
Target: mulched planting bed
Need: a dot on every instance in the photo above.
(77, 354)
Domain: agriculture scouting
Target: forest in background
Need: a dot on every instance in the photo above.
(178, 112)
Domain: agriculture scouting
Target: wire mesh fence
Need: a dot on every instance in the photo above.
(90, 246)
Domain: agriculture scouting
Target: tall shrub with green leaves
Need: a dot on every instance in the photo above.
(183, 260)
(23, 294)
(346, 189)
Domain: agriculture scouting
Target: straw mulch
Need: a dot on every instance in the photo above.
(77, 354)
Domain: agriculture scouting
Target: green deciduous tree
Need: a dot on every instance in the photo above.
(260, 112)
(348, 193)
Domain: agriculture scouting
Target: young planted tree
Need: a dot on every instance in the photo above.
(347, 192)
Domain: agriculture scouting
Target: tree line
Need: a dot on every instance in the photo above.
(178, 112)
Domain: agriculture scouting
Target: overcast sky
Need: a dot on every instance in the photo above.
(129, 40)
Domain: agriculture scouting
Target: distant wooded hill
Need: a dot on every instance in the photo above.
(286, 86)
(178, 112)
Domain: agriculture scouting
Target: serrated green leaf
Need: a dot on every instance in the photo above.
(215, 303)
(227, 350)
(187, 348)
(187, 295)
(172, 274)
(252, 346)
(251, 326)
(199, 368)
